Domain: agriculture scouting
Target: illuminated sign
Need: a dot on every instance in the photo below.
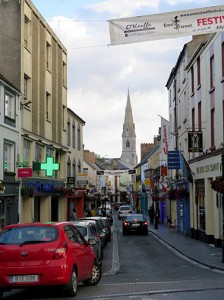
(49, 166)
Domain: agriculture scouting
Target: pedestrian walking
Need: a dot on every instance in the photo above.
(74, 215)
(157, 216)
(151, 214)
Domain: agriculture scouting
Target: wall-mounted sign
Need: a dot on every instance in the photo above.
(25, 172)
(49, 166)
(195, 141)
(174, 160)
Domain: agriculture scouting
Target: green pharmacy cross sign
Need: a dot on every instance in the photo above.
(49, 166)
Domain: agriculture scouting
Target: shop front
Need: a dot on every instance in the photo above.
(42, 200)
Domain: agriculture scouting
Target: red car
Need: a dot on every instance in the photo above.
(46, 254)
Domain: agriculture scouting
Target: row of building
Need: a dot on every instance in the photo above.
(182, 171)
(41, 138)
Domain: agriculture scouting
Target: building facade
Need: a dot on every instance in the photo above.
(9, 143)
(34, 60)
(196, 95)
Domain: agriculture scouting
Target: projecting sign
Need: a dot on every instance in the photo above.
(174, 161)
(25, 172)
(195, 141)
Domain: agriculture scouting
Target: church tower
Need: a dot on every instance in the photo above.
(129, 156)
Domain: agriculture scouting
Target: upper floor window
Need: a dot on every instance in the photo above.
(48, 56)
(79, 167)
(74, 168)
(68, 133)
(193, 119)
(69, 167)
(199, 71)
(49, 152)
(48, 107)
(213, 127)
(10, 107)
(79, 137)
(64, 74)
(27, 36)
(73, 135)
(64, 110)
(26, 153)
(222, 59)
(9, 156)
(192, 80)
(212, 72)
(199, 116)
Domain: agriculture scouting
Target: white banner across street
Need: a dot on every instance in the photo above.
(166, 25)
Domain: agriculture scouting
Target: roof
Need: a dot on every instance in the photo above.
(147, 156)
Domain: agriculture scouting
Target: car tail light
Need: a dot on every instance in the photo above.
(61, 251)
(126, 223)
(145, 223)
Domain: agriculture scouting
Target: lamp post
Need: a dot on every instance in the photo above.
(222, 160)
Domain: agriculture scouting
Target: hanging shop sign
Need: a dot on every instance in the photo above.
(174, 160)
(195, 141)
(24, 172)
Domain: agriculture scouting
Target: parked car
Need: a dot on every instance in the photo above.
(123, 211)
(109, 214)
(46, 254)
(107, 226)
(88, 229)
(136, 223)
(100, 227)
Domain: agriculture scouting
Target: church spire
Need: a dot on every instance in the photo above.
(129, 155)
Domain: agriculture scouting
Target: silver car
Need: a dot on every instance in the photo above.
(89, 232)
(123, 211)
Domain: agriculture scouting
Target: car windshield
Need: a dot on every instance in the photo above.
(19, 235)
(134, 217)
(82, 229)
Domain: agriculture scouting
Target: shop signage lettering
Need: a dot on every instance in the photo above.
(207, 168)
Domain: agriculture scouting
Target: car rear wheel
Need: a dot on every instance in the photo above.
(96, 275)
(71, 289)
(1, 294)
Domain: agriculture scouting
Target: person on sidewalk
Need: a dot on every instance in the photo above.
(151, 214)
(157, 216)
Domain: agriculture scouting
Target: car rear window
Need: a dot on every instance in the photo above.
(134, 217)
(125, 208)
(20, 235)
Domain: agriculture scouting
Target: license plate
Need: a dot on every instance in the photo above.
(135, 225)
(24, 278)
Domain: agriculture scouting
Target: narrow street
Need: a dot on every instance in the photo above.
(142, 267)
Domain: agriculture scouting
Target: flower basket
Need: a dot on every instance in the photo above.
(69, 192)
(155, 198)
(2, 187)
(218, 185)
(60, 190)
(181, 193)
(27, 191)
(172, 194)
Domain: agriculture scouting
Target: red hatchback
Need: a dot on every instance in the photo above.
(46, 254)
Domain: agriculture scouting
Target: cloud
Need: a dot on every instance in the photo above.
(99, 78)
(127, 8)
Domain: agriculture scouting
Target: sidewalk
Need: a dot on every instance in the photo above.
(200, 252)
